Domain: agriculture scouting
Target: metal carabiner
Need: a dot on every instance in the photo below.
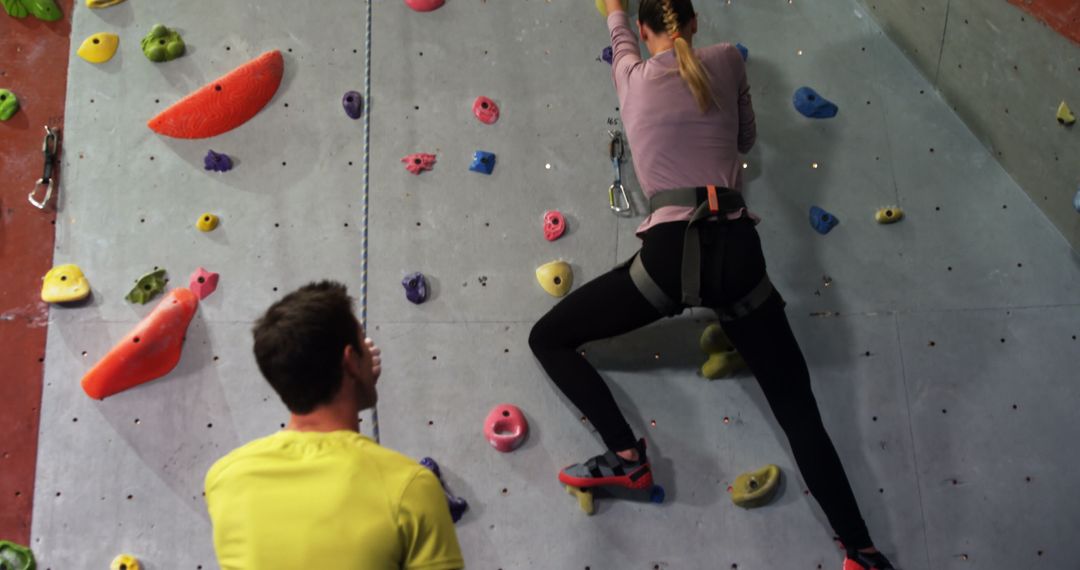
(48, 148)
(617, 198)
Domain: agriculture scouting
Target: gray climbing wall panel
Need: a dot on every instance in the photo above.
(1004, 72)
(928, 335)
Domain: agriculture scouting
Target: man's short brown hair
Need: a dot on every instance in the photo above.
(299, 344)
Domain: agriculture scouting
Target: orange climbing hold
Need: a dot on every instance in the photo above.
(221, 106)
(149, 351)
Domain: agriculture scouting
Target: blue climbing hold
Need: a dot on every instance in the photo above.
(482, 162)
(811, 104)
(657, 495)
(821, 220)
(607, 55)
(1076, 200)
(744, 51)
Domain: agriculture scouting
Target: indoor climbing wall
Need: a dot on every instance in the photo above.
(1005, 68)
(941, 346)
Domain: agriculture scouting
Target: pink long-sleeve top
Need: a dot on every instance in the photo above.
(674, 144)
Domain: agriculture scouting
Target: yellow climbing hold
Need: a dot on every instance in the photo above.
(723, 359)
(584, 498)
(64, 284)
(207, 222)
(124, 562)
(102, 3)
(1065, 115)
(99, 47)
(601, 6)
(556, 278)
(888, 215)
(756, 488)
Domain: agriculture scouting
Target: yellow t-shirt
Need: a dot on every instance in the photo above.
(328, 500)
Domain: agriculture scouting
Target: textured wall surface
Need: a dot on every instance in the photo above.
(1005, 73)
(941, 349)
(33, 64)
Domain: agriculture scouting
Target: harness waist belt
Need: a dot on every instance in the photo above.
(726, 200)
(708, 202)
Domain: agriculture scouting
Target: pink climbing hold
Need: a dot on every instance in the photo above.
(505, 427)
(425, 5)
(419, 162)
(203, 283)
(486, 110)
(554, 225)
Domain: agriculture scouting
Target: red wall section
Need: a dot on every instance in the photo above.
(33, 65)
(1062, 15)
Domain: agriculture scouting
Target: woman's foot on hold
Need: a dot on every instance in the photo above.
(859, 560)
(611, 469)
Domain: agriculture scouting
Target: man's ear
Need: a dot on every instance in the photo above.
(693, 24)
(352, 359)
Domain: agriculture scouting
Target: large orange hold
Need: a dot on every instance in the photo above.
(221, 106)
(149, 351)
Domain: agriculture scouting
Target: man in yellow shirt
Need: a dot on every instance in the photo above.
(318, 494)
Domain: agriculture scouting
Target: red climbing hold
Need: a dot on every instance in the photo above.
(425, 5)
(149, 351)
(486, 110)
(221, 106)
(419, 162)
(554, 225)
(506, 427)
(203, 283)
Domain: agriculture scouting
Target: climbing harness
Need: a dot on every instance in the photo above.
(48, 148)
(620, 203)
(364, 201)
(711, 203)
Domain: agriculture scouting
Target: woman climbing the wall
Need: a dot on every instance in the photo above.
(688, 116)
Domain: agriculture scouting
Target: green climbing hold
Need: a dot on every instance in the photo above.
(46, 10)
(162, 44)
(723, 359)
(14, 8)
(9, 104)
(16, 557)
(756, 488)
(147, 287)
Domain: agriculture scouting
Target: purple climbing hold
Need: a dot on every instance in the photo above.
(430, 464)
(458, 506)
(218, 162)
(415, 288)
(606, 55)
(353, 103)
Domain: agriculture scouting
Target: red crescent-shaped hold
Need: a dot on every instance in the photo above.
(149, 351)
(221, 106)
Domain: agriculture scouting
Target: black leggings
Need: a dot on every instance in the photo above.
(611, 305)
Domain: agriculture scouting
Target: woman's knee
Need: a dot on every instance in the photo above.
(544, 336)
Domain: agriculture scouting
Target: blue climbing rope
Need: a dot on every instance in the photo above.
(364, 198)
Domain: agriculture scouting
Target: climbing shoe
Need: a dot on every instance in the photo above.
(610, 470)
(856, 560)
